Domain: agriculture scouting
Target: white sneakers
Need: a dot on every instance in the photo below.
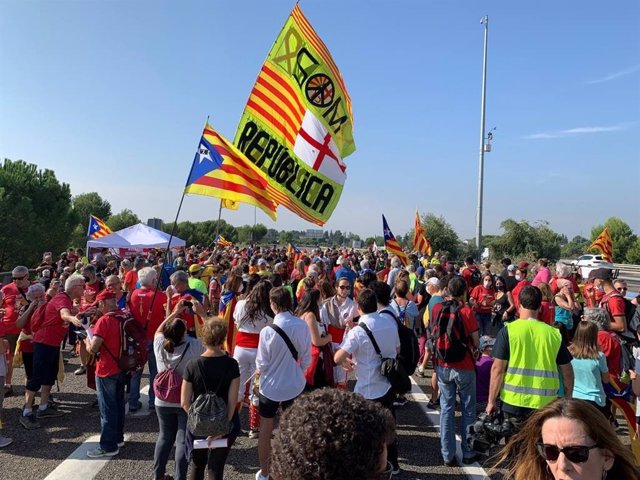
(260, 476)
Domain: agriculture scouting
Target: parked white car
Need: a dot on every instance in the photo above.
(589, 262)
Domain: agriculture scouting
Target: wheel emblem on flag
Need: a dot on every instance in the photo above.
(319, 90)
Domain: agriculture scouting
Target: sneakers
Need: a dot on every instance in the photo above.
(400, 401)
(469, 460)
(395, 469)
(138, 407)
(420, 372)
(100, 452)
(433, 405)
(49, 412)
(29, 421)
(80, 371)
(121, 444)
(260, 476)
(5, 441)
(452, 463)
(254, 433)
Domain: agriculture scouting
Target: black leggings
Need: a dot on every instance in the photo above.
(210, 461)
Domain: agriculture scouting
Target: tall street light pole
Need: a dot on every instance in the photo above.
(485, 22)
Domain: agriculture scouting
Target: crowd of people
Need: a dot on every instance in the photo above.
(277, 331)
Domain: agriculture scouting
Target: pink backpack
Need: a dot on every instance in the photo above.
(168, 384)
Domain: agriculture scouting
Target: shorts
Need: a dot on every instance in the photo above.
(46, 360)
(12, 338)
(268, 408)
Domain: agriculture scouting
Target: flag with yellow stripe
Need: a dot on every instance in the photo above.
(604, 244)
(420, 242)
(391, 244)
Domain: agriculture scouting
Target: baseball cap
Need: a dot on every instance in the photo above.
(511, 268)
(523, 265)
(602, 274)
(433, 281)
(486, 341)
(195, 268)
(104, 294)
(262, 261)
(420, 271)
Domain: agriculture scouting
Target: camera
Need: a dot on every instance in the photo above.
(488, 430)
(187, 304)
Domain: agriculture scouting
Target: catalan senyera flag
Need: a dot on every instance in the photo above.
(229, 204)
(220, 241)
(391, 244)
(604, 244)
(297, 125)
(97, 228)
(220, 170)
(420, 242)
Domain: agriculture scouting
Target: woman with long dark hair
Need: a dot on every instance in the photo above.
(317, 375)
(251, 314)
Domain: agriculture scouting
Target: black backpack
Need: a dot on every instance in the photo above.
(409, 350)
(449, 337)
(476, 277)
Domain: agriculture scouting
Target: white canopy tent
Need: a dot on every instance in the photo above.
(136, 236)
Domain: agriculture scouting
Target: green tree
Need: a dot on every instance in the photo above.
(203, 233)
(84, 205)
(122, 219)
(633, 254)
(521, 239)
(575, 247)
(35, 214)
(441, 235)
(622, 237)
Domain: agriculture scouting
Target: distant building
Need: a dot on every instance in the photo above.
(155, 223)
(314, 234)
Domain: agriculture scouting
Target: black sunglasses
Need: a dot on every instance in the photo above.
(575, 454)
(344, 287)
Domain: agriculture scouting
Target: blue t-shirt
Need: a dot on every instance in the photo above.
(588, 378)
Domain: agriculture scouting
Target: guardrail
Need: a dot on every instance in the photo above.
(627, 268)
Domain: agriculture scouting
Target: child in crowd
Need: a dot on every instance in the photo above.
(4, 347)
(483, 372)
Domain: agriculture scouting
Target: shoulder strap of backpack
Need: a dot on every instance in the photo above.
(287, 340)
(371, 337)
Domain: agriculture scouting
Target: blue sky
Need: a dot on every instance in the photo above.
(113, 95)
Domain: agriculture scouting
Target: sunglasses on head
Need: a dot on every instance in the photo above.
(575, 454)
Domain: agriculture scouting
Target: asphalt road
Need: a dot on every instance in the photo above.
(35, 454)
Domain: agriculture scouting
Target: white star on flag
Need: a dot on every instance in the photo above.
(204, 154)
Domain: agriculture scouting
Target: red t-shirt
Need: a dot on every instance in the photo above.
(139, 306)
(53, 328)
(612, 350)
(130, 280)
(108, 328)
(95, 287)
(484, 298)
(547, 312)
(554, 284)
(613, 303)
(470, 325)
(516, 291)
(187, 316)
(12, 303)
(466, 274)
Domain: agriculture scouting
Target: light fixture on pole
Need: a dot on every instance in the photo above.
(485, 22)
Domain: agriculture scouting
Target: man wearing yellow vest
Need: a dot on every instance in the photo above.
(528, 355)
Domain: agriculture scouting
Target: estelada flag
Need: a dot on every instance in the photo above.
(604, 244)
(220, 170)
(420, 242)
(294, 253)
(220, 241)
(297, 125)
(97, 228)
(391, 244)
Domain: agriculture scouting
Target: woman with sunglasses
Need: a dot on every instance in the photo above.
(567, 439)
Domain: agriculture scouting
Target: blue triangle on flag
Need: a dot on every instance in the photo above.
(207, 160)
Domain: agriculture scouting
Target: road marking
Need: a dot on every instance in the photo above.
(473, 471)
(78, 466)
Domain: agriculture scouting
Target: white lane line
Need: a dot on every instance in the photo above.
(473, 471)
(78, 466)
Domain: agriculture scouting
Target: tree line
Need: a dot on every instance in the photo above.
(38, 213)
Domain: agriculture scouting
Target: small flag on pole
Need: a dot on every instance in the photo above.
(220, 241)
(221, 170)
(391, 244)
(97, 228)
(604, 244)
(420, 242)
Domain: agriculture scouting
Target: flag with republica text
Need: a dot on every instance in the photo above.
(220, 170)
(297, 126)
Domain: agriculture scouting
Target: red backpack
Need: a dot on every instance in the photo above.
(449, 337)
(133, 343)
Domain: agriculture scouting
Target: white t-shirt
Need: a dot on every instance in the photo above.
(248, 326)
(348, 311)
(166, 360)
(370, 383)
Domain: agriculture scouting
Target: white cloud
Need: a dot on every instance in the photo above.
(571, 132)
(616, 75)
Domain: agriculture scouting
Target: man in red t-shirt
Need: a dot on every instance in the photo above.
(612, 301)
(140, 305)
(468, 273)
(110, 380)
(521, 278)
(457, 377)
(14, 298)
(58, 313)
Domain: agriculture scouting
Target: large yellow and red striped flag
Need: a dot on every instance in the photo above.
(97, 228)
(297, 125)
(391, 244)
(420, 242)
(220, 170)
(604, 244)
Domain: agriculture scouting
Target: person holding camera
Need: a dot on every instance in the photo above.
(528, 354)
